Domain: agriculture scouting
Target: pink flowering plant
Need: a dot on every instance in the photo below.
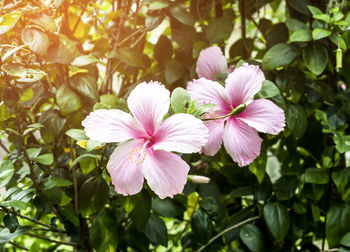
(197, 125)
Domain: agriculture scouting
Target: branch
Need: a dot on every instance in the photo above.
(227, 230)
(50, 240)
(18, 246)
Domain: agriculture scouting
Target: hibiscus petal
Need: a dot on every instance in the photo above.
(264, 116)
(211, 61)
(148, 103)
(112, 125)
(182, 133)
(209, 92)
(243, 83)
(241, 142)
(165, 172)
(216, 132)
(127, 177)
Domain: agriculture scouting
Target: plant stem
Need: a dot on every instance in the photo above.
(18, 246)
(235, 111)
(227, 230)
(50, 240)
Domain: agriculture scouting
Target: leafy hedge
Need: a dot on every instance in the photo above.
(62, 59)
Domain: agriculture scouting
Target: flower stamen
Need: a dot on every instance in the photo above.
(137, 155)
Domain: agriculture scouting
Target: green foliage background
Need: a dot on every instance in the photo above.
(294, 197)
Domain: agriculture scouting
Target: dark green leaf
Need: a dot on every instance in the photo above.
(163, 50)
(173, 71)
(45, 159)
(93, 195)
(252, 237)
(315, 57)
(296, 120)
(273, 59)
(11, 222)
(303, 35)
(156, 231)
(219, 29)
(345, 240)
(67, 100)
(337, 224)
(142, 211)
(181, 15)
(277, 220)
(52, 182)
(316, 176)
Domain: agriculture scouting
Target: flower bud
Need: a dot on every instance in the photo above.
(197, 179)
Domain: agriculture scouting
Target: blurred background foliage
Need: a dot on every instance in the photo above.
(60, 59)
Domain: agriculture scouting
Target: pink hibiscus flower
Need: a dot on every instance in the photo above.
(239, 132)
(211, 61)
(148, 155)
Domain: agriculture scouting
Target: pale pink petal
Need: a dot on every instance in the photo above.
(241, 141)
(127, 176)
(112, 125)
(211, 61)
(209, 92)
(148, 103)
(243, 83)
(182, 133)
(216, 132)
(165, 172)
(264, 116)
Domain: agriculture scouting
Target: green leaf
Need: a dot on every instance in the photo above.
(27, 95)
(337, 224)
(6, 172)
(341, 179)
(92, 144)
(273, 59)
(295, 25)
(268, 90)
(285, 187)
(15, 204)
(67, 100)
(85, 84)
(157, 5)
(181, 15)
(156, 231)
(93, 195)
(163, 50)
(33, 152)
(323, 17)
(130, 57)
(84, 156)
(320, 33)
(180, 100)
(296, 120)
(345, 240)
(8, 21)
(314, 10)
(142, 211)
(6, 235)
(167, 207)
(45, 159)
(173, 71)
(277, 220)
(219, 29)
(201, 109)
(303, 35)
(52, 182)
(77, 134)
(316, 176)
(259, 165)
(84, 60)
(251, 237)
(11, 222)
(104, 231)
(4, 113)
(342, 143)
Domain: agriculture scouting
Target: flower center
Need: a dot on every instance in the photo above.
(137, 155)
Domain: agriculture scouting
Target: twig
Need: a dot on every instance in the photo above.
(227, 230)
(18, 246)
(52, 228)
(50, 240)
(242, 11)
(4, 147)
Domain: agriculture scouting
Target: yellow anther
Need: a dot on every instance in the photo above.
(137, 156)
